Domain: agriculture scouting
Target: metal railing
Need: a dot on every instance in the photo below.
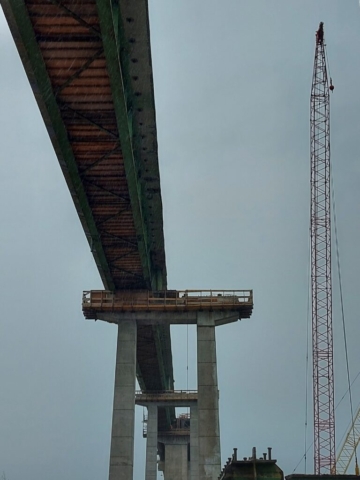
(180, 396)
(163, 393)
(166, 300)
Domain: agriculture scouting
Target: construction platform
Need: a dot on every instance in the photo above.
(177, 398)
(96, 302)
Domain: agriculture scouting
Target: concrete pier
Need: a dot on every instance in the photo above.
(176, 464)
(191, 454)
(194, 443)
(178, 446)
(208, 399)
(151, 442)
(122, 436)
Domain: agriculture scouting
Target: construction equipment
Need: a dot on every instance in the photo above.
(348, 447)
(321, 288)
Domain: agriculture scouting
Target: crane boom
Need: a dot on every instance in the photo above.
(349, 446)
(320, 232)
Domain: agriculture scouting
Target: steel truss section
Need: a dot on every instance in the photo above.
(349, 446)
(320, 227)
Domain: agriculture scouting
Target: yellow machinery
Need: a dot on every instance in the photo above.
(348, 447)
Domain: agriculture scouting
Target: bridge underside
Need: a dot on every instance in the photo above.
(89, 66)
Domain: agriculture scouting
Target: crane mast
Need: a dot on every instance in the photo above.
(320, 232)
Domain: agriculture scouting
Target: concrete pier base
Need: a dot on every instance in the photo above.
(151, 443)
(176, 465)
(122, 435)
(208, 399)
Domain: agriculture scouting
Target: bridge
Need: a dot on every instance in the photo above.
(97, 102)
(89, 66)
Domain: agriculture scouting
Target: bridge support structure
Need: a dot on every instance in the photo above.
(204, 435)
(177, 447)
(208, 398)
(203, 440)
(123, 422)
(176, 464)
(194, 443)
(151, 442)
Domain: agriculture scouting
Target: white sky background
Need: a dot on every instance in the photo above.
(232, 86)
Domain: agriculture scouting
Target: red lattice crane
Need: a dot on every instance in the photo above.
(320, 231)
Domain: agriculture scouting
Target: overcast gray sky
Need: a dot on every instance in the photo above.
(232, 84)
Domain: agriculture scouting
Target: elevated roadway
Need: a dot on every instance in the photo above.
(89, 66)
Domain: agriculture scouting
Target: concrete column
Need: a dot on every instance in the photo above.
(176, 458)
(151, 443)
(208, 399)
(194, 443)
(122, 435)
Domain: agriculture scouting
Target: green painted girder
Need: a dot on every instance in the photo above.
(124, 123)
(111, 30)
(30, 53)
(22, 30)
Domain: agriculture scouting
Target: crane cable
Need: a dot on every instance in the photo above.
(343, 319)
(307, 357)
(328, 65)
(187, 361)
(187, 356)
(357, 471)
(352, 383)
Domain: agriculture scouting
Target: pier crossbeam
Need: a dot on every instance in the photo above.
(96, 303)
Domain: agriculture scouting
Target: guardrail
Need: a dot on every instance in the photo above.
(166, 300)
(176, 396)
(166, 392)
